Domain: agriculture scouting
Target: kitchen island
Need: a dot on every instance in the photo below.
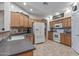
(16, 48)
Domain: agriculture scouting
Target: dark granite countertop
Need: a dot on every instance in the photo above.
(21, 34)
(15, 47)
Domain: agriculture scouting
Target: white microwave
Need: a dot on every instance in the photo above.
(58, 25)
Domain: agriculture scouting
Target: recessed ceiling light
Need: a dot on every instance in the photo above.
(31, 9)
(24, 3)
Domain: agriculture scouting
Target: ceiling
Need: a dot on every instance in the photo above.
(44, 10)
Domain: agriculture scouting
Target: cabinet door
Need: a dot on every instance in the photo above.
(12, 19)
(15, 19)
(62, 36)
(50, 35)
(65, 39)
(68, 39)
(30, 23)
(63, 23)
(51, 25)
(26, 21)
(21, 20)
(69, 22)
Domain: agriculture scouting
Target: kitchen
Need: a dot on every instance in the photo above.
(23, 29)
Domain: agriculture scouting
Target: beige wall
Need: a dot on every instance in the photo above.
(1, 20)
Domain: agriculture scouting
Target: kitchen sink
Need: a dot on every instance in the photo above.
(20, 37)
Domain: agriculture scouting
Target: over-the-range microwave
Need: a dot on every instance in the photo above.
(58, 25)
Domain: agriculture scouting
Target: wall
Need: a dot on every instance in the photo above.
(7, 16)
(5, 20)
(1, 20)
(1, 6)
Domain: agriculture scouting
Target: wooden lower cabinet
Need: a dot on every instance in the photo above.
(66, 38)
(62, 37)
(29, 53)
(50, 35)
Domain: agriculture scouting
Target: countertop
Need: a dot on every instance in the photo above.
(4, 31)
(21, 34)
(15, 47)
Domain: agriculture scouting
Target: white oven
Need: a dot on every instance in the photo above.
(56, 35)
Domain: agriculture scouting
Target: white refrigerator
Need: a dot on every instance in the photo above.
(39, 32)
(75, 31)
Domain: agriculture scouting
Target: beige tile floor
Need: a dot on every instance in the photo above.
(51, 48)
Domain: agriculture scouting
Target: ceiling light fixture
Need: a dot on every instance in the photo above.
(24, 3)
(31, 9)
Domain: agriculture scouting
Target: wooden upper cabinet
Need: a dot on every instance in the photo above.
(30, 23)
(69, 22)
(51, 25)
(66, 22)
(14, 19)
(26, 20)
(21, 20)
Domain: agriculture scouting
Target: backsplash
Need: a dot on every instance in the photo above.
(21, 30)
(13, 31)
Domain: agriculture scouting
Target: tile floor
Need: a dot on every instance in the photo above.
(51, 48)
